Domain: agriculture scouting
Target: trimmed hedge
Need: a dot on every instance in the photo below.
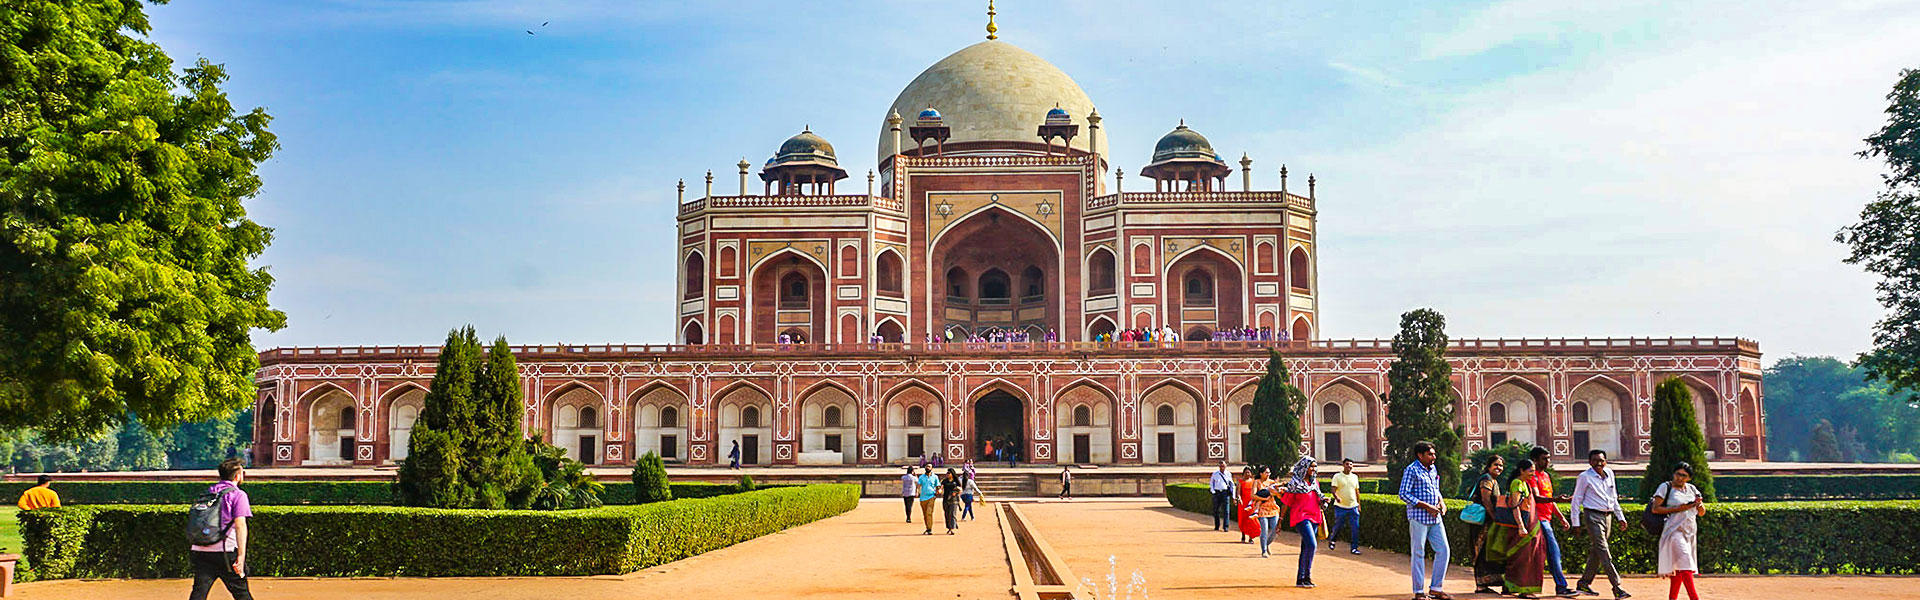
(295, 493)
(1810, 537)
(134, 541)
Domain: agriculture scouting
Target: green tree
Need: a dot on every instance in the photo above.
(1676, 437)
(1512, 451)
(498, 466)
(1420, 397)
(1886, 240)
(1825, 447)
(123, 243)
(1870, 420)
(1273, 435)
(650, 482)
(139, 448)
(431, 475)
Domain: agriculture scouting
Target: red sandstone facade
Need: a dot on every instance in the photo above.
(997, 216)
(1149, 403)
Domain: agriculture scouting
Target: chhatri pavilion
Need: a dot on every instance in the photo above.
(813, 325)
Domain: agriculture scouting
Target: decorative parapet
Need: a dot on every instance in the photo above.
(761, 202)
(1301, 349)
(1288, 199)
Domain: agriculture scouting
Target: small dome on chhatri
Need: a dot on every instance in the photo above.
(1184, 143)
(1058, 116)
(804, 147)
(928, 116)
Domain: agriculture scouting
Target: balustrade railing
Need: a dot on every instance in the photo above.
(588, 351)
(1111, 200)
(790, 202)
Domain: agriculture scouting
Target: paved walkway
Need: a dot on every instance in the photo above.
(1181, 558)
(869, 552)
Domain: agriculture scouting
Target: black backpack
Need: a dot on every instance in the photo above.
(1652, 522)
(203, 519)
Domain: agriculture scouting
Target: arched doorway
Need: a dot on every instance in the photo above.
(1014, 266)
(997, 417)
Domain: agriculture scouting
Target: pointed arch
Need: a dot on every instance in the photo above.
(1089, 441)
(1345, 416)
(331, 414)
(1527, 415)
(1102, 275)
(745, 416)
(828, 420)
(695, 275)
(1170, 443)
(693, 334)
(1099, 326)
(905, 441)
(571, 425)
(790, 251)
(399, 408)
(1302, 328)
(890, 330)
(1239, 412)
(889, 272)
(1300, 270)
(1600, 417)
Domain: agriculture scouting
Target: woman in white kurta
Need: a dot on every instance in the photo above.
(1679, 540)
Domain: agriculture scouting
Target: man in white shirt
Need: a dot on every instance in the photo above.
(1222, 486)
(1595, 499)
(909, 492)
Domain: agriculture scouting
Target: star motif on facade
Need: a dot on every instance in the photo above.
(943, 210)
(1044, 208)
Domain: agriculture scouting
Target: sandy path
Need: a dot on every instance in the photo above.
(868, 552)
(1181, 558)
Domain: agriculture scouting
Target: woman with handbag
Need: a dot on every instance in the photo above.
(1266, 508)
(1681, 504)
(1302, 497)
(1478, 516)
(1515, 538)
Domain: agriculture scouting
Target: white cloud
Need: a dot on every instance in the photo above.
(1689, 187)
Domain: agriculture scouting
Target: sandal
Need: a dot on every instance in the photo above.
(1439, 595)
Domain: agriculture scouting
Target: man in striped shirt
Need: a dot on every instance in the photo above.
(1420, 489)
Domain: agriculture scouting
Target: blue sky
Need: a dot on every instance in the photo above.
(1530, 168)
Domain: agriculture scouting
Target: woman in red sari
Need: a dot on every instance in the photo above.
(1249, 526)
(1514, 537)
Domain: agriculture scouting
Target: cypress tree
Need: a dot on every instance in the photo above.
(499, 471)
(1273, 435)
(1420, 397)
(1676, 437)
(1825, 447)
(432, 474)
(650, 480)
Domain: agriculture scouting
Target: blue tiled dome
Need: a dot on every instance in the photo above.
(929, 114)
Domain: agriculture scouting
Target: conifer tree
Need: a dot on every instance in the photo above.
(499, 470)
(1273, 435)
(432, 474)
(1676, 437)
(1825, 447)
(650, 482)
(1420, 397)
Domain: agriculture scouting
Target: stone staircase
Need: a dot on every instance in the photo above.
(1006, 485)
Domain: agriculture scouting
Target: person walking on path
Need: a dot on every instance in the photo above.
(969, 494)
(41, 495)
(968, 470)
(1066, 483)
(1302, 497)
(950, 500)
(929, 488)
(909, 492)
(1679, 540)
(1266, 508)
(1420, 490)
(1012, 455)
(1346, 507)
(1515, 538)
(733, 456)
(1547, 506)
(1243, 502)
(1221, 484)
(1596, 507)
(1486, 493)
(225, 560)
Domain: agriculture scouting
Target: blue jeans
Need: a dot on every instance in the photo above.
(968, 511)
(1308, 543)
(1267, 527)
(1423, 537)
(1349, 519)
(1553, 556)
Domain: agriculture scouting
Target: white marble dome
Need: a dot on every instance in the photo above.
(992, 91)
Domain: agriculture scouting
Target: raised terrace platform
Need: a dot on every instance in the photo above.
(1078, 402)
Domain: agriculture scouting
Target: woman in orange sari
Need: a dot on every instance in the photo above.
(1249, 526)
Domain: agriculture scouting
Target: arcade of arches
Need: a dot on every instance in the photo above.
(1068, 408)
(996, 269)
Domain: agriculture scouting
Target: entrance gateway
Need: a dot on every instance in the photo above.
(996, 418)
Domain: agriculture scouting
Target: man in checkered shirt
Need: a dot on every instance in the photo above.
(1420, 489)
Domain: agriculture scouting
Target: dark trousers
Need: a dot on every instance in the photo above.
(209, 566)
(909, 500)
(1223, 510)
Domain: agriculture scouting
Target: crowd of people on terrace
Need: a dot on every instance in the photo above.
(1018, 335)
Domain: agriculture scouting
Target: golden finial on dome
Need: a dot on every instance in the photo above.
(991, 28)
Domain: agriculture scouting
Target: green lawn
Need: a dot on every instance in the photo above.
(10, 532)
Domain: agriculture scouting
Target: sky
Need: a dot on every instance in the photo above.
(1530, 168)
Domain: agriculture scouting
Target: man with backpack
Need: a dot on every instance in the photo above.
(217, 531)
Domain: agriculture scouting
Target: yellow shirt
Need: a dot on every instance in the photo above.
(1346, 490)
(39, 496)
